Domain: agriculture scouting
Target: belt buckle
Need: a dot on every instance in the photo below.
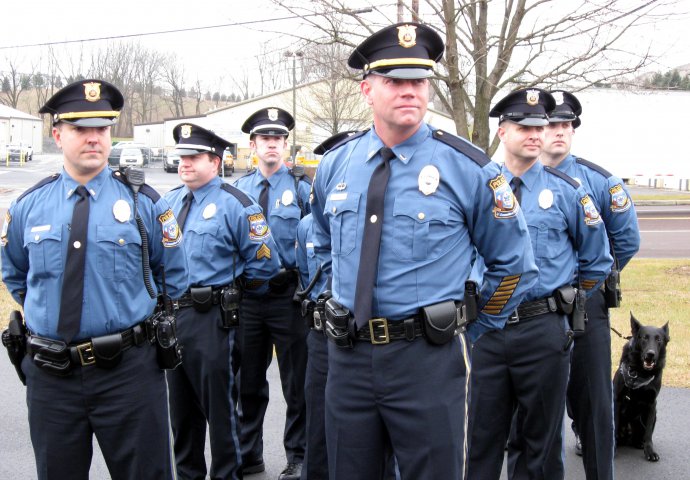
(513, 318)
(379, 338)
(85, 351)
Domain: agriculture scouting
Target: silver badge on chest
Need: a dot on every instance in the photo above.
(122, 211)
(546, 198)
(288, 197)
(428, 180)
(209, 211)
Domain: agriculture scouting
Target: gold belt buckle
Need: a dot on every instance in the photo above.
(380, 337)
(85, 351)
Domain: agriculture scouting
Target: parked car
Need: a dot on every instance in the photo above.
(228, 165)
(116, 151)
(171, 162)
(131, 156)
(18, 152)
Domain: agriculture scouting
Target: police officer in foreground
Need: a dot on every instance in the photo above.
(274, 319)
(226, 237)
(590, 397)
(524, 366)
(400, 209)
(86, 252)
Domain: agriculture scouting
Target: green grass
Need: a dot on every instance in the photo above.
(656, 291)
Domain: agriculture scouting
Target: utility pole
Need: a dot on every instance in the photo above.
(294, 56)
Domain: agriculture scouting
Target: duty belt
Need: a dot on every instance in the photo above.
(529, 310)
(186, 299)
(382, 330)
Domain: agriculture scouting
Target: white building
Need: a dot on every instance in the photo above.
(17, 127)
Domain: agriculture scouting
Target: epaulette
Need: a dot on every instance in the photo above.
(594, 167)
(40, 184)
(146, 189)
(564, 176)
(177, 187)
(347, 139)
(242, 197)
(249, 173)
(462, 146)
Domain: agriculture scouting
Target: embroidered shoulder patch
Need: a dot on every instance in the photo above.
(592, 216)
(171, 230)
(620, 202)
(5, 226)
(505, 205)
(258, 228)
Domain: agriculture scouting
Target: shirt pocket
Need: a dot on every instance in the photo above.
(118, 248)
(201, 238)
(343, 219)
(45, 252)
(422, 229)
(283, 223)
(549, 235)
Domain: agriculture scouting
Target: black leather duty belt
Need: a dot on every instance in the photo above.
(382, 330)
(529, 310)
(186, 299)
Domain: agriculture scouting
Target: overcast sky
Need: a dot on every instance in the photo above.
(221, 51)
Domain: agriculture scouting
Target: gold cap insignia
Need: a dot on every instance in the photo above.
(186, 131)
(92, 91)
(532, 97)
(407, 36)
(272, 114)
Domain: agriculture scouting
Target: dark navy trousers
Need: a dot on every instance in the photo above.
(316, 459)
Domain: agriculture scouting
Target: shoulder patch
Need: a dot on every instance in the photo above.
(171, 230)
(258, 228)
(594, 167)
(563, 176)
(462, 146)
(592, 216)
(505, 205)
(242, 197)
(40, 184)
(620, 202)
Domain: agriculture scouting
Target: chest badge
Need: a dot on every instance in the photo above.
(121, 211)
(288, 197)
(546, 198)
(209, 211)
(429, 179)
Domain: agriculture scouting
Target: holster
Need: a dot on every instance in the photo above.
(14, 340)
(612, 289)
(202, 297)
(230, 298)
(578, 319)
(337, 324)
(52, 356)
(107, 350)
(440, 321)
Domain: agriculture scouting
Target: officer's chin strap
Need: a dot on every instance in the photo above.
(135, 178)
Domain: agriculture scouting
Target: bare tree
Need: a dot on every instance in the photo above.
(173, 76)
(14, 83)
(147, 72)
(502, 45)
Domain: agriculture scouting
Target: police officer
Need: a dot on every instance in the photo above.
(590, 398)
(226, 236)
(400, 209)
(274, 318)
(525, 365)
(74, 258)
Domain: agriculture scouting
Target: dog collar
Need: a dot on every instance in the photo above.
(631, 379)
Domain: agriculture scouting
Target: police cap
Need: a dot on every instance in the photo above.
(86, 103)
(192, 139)
(404, 50)
(272, 121)
(568, 108)
(528, 106)
(332, 141)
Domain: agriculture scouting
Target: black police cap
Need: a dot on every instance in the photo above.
(404, 50)
(568, 108)
(86, 103)
(332, 141)
(192, 139)
(528, 106)
(269, 121)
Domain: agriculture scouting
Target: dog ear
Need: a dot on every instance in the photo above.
(665, 329)
(634, 324)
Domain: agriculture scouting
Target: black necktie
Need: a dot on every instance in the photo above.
(371, 242)
(72, 296)
(263, 197)
(515, 185)
(182, 216)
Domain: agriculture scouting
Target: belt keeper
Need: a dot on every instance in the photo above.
(408, 324)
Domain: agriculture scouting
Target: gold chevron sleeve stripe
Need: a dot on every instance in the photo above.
(502, 294)
(588, 284)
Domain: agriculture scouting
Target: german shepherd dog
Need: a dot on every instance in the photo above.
(636, 385)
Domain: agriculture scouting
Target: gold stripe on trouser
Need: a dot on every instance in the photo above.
(468, 369)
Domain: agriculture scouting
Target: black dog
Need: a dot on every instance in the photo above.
(636, 386)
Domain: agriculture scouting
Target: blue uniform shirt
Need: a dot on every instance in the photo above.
(439, 206)
(222, 224)
(34, 254)
(307, 263)
(568, 236)
(283, 209)
(613, 202)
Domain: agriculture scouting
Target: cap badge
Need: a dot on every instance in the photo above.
(186, 131)
(272, 114)
(532, 97)
(407, 36)
(92, 91)
(558, 96)
(428, 179)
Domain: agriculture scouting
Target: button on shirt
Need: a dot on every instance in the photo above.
(614, 204)
(283, 209)
(566, 233)
(218, 226)
(307, 263)
(115, 298)
(438, 206)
